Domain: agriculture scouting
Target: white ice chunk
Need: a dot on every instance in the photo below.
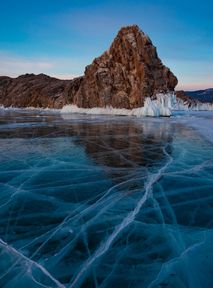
(162, 106)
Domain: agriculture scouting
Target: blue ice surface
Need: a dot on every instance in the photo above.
(90, 201)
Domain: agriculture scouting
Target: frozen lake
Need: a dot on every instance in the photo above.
(103, 201)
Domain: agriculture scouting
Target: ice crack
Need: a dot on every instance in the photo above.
(103, 248)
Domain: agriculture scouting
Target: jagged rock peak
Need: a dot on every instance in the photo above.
(132, 34)
(126, 74)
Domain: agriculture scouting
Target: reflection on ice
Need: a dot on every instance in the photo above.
(99, 202)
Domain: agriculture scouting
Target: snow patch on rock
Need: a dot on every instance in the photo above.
(131, 38)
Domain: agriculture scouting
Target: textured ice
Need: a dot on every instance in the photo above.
(200, 120)
(98, 201)
(161, 106)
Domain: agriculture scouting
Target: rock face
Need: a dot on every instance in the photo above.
(122, 77)
(125, 74)
(32, 91)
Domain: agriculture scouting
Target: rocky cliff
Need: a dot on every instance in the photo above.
(125, 74)
(121, 77)
(32, 91)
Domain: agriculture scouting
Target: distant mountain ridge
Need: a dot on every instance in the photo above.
(202, 95)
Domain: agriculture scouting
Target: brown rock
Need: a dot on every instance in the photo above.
(125, 74)
(32, 91)
(187, 100)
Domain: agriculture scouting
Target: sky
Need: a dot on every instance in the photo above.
(61, 37)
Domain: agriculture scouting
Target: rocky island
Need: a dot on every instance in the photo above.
(122, 77)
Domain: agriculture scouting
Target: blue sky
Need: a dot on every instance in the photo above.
(61, 37)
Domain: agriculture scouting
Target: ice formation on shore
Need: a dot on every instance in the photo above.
(163, 105)
(185, 106)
